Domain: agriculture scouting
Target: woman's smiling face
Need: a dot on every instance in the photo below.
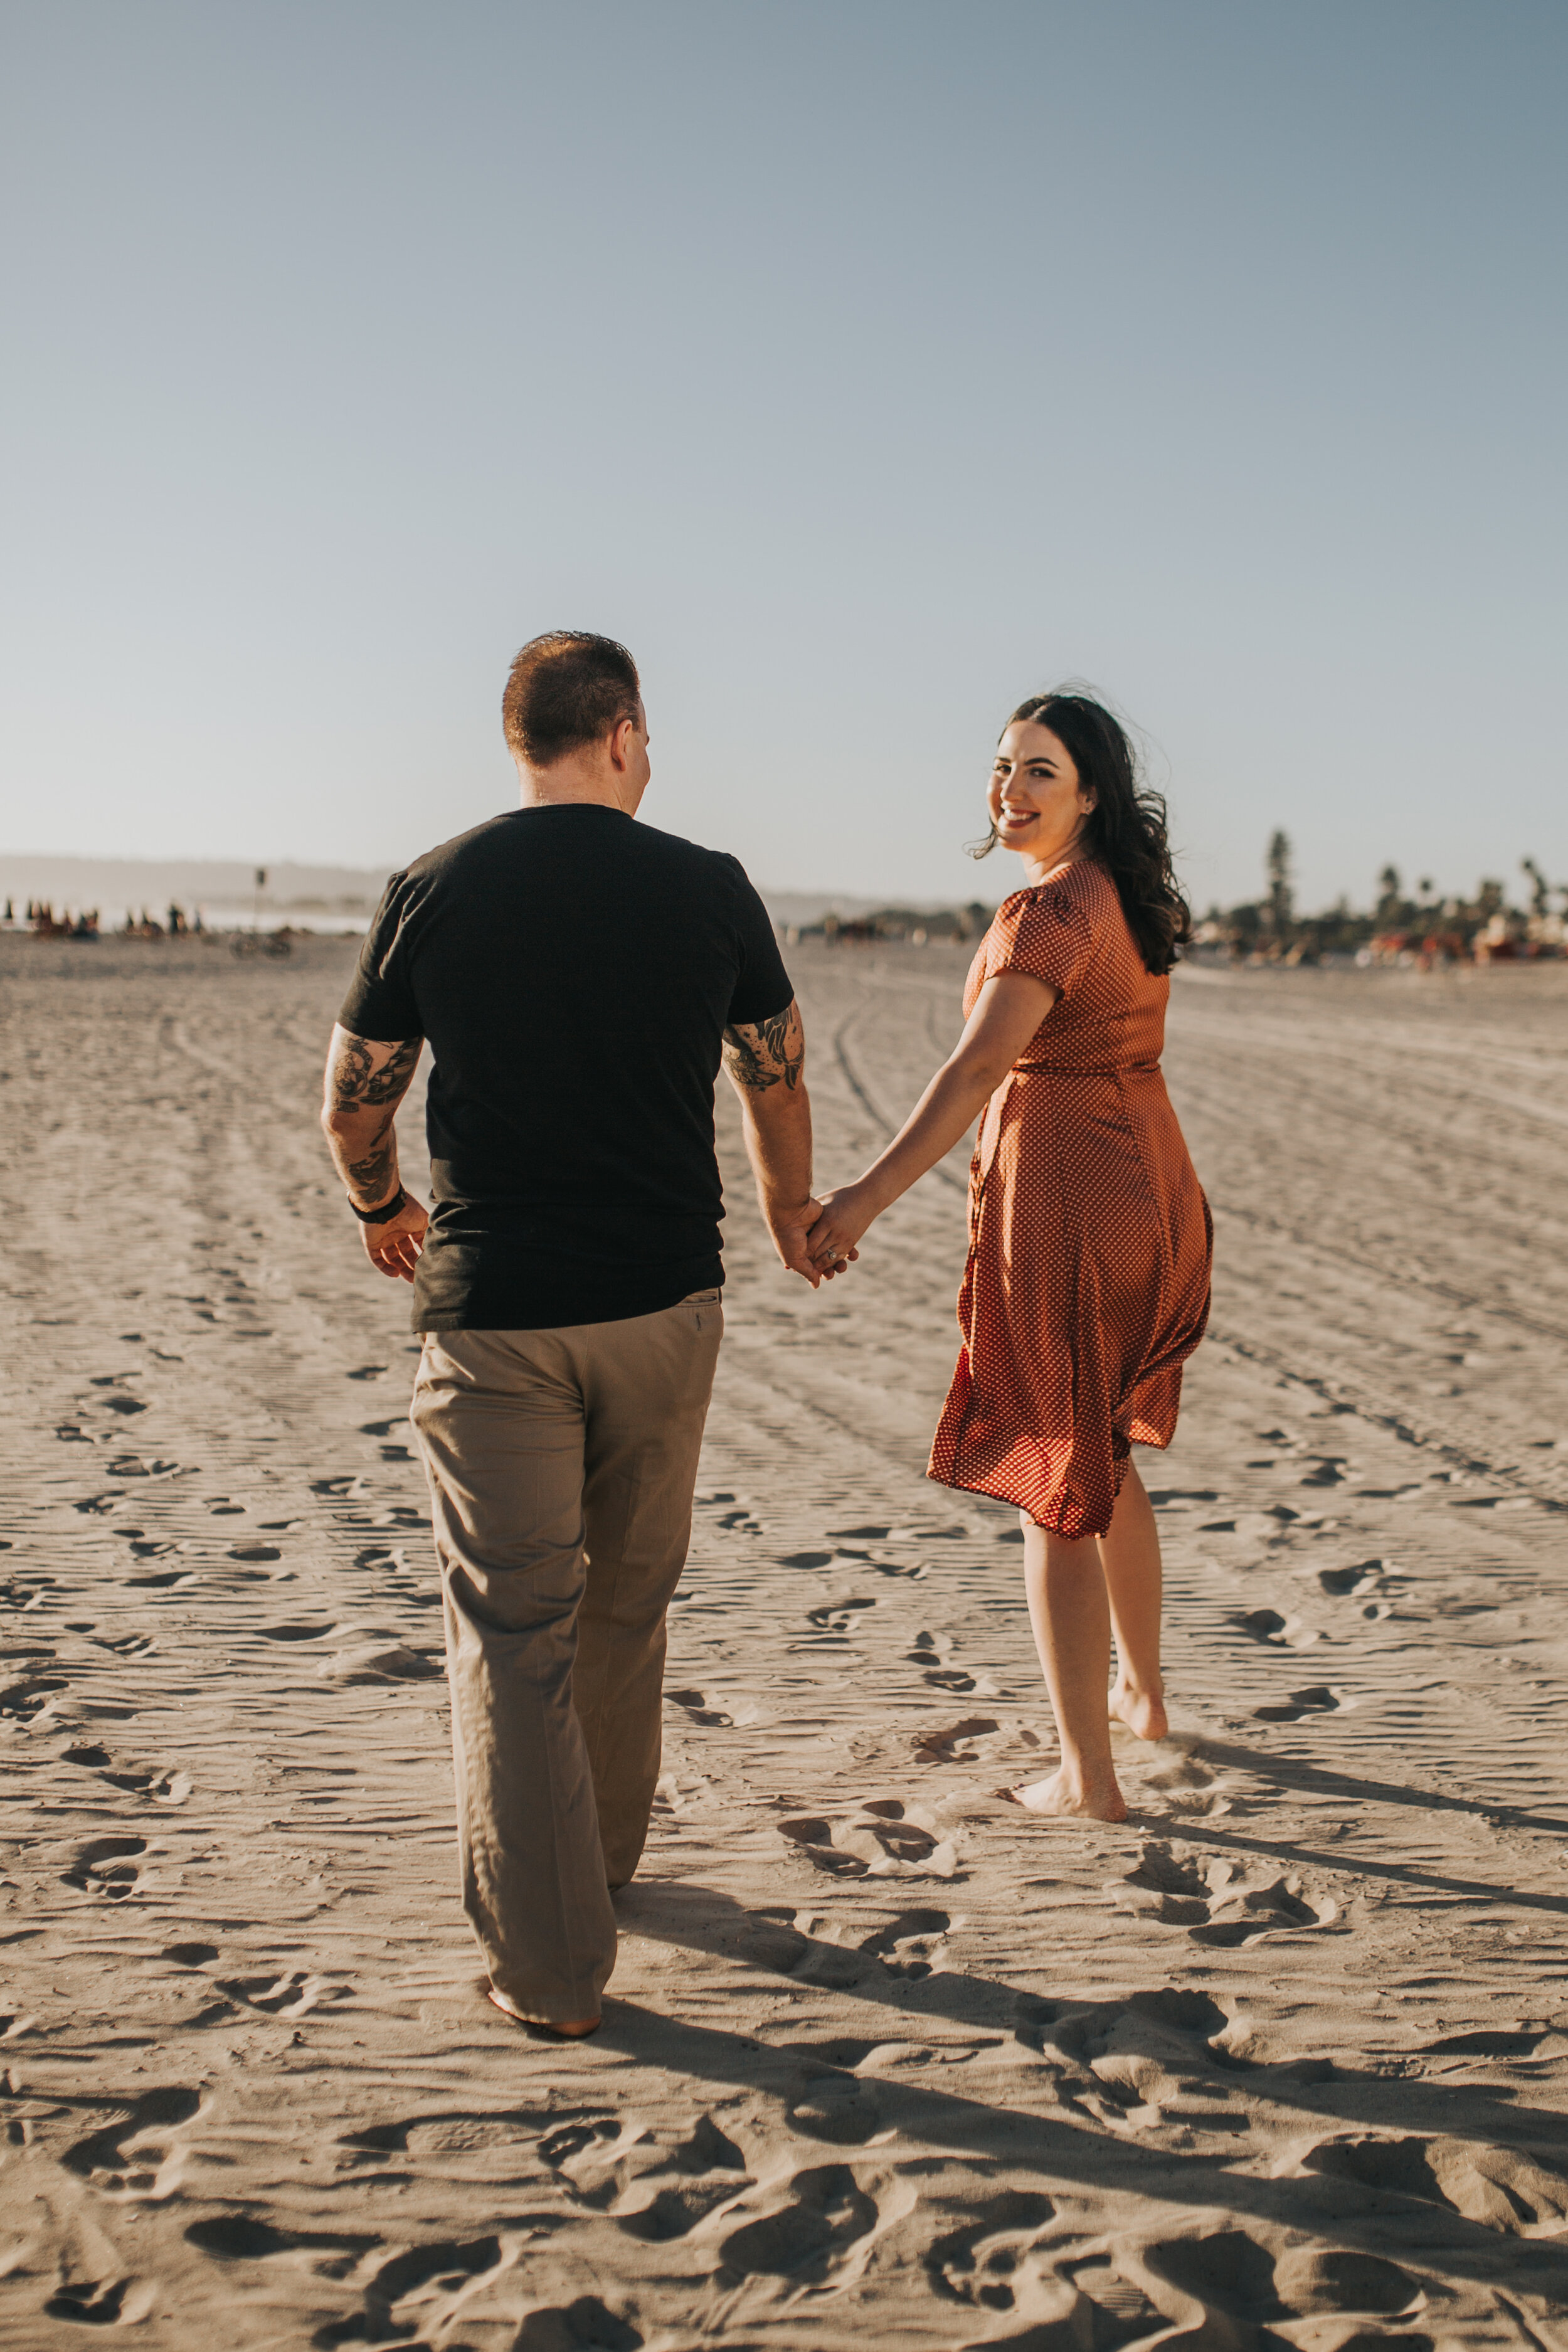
(1037, 803)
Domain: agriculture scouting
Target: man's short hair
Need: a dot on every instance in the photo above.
(567, 688)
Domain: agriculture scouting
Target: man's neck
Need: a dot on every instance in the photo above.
(571, 783)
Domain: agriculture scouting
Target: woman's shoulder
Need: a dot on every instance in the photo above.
(1081, 890)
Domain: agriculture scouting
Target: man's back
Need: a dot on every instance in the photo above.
(573, 970)
(578, 976)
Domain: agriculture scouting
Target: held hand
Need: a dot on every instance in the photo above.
(394, 1248)
(845, 1215)
(789, 1225)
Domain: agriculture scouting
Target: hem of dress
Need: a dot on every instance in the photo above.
(962, 1486)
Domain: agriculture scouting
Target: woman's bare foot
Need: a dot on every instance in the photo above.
(1142, 1711)
(1101, 1800)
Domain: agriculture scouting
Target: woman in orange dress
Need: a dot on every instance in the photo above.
(1088, 1281)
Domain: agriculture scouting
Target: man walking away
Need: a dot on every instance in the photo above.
(577, 976)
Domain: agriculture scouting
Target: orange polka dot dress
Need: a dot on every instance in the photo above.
(1090, 1241)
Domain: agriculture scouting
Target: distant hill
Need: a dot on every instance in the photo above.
(113, 883)
(152, 882)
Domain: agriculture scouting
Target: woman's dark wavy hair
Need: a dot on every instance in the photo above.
(1126, 828)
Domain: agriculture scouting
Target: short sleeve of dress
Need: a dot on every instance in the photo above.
(1044, 932)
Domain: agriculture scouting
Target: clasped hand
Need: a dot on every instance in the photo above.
(815, 1238)
(843, 1218)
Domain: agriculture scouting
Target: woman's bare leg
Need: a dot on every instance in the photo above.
(1130, 1556)
(1071, 1618)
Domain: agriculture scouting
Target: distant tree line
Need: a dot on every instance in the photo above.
(919, 926)
(1398, 927)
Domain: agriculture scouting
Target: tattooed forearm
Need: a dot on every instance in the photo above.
(373, 1174)
(366, 1080)
(759, 1054)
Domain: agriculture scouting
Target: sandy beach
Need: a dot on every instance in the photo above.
(1282, 2060)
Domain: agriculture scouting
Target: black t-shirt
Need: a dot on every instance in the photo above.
(573, 972)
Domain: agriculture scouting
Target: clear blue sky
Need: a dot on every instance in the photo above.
(865, 366)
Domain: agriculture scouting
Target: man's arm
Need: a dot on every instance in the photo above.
(765, 1062)
(366, 1080)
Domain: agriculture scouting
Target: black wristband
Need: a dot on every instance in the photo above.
(385, 1214)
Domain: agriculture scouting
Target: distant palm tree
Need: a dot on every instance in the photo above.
(1280, 892)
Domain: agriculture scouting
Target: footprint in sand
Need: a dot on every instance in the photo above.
(976, 2264)
(383, 1429)
(1316, 1699)
(734, 1518)
(1258, 1624)
(969, 1741)
(933, 1652)
(806, 2240)
(1215, 1901)
(836, 1616)
(135, 2156)
(1502, 2189)
(850, 1546)
(884, 1838)
(1107, 2309)
(553, 2327)
(21, 1593)
(97, 2303)
(1224, 2284)
(125, 1645)
(104, 1865)
(166, 1785)
(676, 2213)
(242, 2238)
(912, 1943)
(655, 2185)
(695, 1708)
(33, 1685)
(1339, 1581)
(1310, 2280)
(293, 1995)
(1160, 2057)
(837, 2106)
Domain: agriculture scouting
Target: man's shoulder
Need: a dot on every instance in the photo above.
(463, 849)
(674, 850)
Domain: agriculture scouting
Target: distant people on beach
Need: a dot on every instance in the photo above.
(579, 977)
(1087, 1285)
(45, 924)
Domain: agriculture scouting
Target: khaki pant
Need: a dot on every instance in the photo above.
(562, 1465)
